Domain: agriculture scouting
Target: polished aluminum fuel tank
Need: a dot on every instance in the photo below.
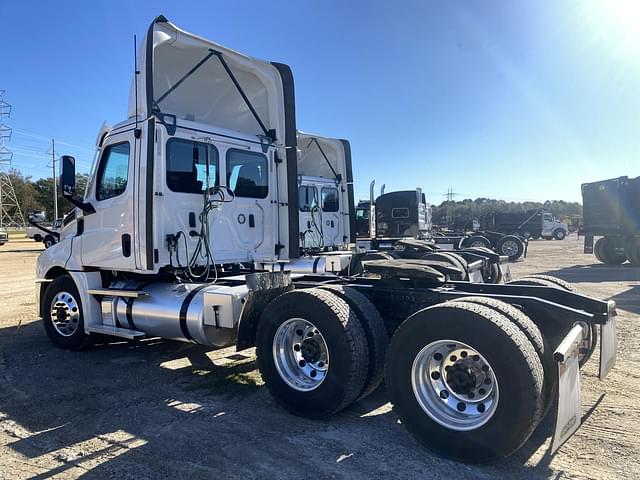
(206, 314)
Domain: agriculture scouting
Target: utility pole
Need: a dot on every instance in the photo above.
(55, 183)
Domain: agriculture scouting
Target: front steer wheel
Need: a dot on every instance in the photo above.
(62, 315)
(465, 381)
(312, 352)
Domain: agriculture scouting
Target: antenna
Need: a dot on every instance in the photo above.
(136, 72)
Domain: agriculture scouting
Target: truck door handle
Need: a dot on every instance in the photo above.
(126, 245)
(332, 225)
(252, 221)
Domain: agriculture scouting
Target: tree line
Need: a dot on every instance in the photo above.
(38, 194)
(460, 212)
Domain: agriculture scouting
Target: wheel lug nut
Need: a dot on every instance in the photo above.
(470, 395)
(461, 407)
(481, 408)
(320, 364)
(435, 375)
(437, 357)
(482, 391)
(302, 363)
(463, 354)
(476, 358)
(453, 358)
(299, 332)
(485, 368)
(296, 347)
(487, 381)
(444, 394)
(313, 373)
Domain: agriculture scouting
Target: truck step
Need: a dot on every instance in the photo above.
(114, 292)
(115, 331)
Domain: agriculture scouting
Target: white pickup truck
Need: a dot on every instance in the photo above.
(4, 237)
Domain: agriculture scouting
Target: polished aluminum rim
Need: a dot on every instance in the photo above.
(300, 354)
(510, 248)
(454, 385)
(65, 314)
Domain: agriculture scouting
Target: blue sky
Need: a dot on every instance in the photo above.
(517, 100)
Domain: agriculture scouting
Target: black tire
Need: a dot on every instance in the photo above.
(78, 340)
(533, 334)
(632, 251)
(452, 259)
(49, 241)
(375, 330)
(554, 280)
(477, 241)
(559, 234)
(509, 240)
(515, 364)
(598, 248)
(346, 342)
(37, 237)
(609, 253)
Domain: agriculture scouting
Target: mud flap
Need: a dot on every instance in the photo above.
(608, 344)
(506, 272)
(569, 413)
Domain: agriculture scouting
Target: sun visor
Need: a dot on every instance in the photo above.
(200, 81)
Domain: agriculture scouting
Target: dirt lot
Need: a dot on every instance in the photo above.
(159, 409)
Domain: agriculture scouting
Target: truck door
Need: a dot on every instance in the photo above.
(251, 216)
(547, 225)
(331, 224)
(107, 240)
(310, 217)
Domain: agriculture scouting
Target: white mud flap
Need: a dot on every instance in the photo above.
(569, 413)
(475, 276)
(506, 272)
(608, 344)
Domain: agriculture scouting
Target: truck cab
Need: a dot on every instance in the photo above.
(553, 228)
(325, 193)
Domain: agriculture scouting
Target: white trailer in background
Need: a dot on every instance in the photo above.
(189, 230)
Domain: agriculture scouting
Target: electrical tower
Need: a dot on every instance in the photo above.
(10, 212)
(450, 206)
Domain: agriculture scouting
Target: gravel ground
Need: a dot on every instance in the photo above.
(158, 409)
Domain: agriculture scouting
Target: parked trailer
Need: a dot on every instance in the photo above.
(611, 210)
(158, 247)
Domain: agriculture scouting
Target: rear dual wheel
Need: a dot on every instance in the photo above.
(632, 250)
(320, 350)
(605, 250)
(465, 381)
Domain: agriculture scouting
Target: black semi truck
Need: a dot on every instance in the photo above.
(611, 210)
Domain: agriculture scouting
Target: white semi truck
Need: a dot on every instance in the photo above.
(190, 230)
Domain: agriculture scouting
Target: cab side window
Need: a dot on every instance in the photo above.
(330, 200)
(307, 198)
(247, 174)
(187, 165)
(114, 171)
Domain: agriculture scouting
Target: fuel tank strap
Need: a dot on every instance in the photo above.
(183, 311)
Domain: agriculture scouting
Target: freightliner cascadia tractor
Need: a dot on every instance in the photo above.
(191, 230)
